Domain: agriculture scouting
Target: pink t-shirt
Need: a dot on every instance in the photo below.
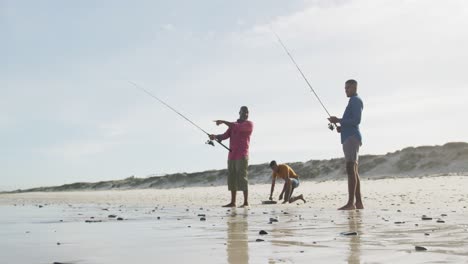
(239, 143)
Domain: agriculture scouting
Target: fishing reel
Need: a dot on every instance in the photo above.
(331, 126)
(210, 142)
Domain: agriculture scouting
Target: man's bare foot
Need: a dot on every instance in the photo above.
(230, 205)
(348, 207)
(359, 206)
(246, 205)
(301, 197)
(284, 202)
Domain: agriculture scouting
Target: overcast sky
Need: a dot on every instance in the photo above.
(68, 112)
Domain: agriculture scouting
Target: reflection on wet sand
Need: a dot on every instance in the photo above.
(354, 223)
(285, 234)
(237, 238)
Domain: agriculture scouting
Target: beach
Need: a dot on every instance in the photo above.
(188, 224)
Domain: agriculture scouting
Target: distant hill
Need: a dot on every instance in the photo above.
(449, 159)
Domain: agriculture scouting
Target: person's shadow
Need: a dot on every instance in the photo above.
(237, 237)
(354, 224)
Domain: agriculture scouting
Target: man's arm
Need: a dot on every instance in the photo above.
(219, 122)
(285, 184)
(273, 181)
(221, 137)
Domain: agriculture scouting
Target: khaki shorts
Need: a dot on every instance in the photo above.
(351, 149)
(237, 175)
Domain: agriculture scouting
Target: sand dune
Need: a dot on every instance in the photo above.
(449, 159)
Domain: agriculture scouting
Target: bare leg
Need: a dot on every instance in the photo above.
(246, 199)
(352, 181)
(292, 199)
(288, 192)
(292, 190)
(359, 204)
(233, 200)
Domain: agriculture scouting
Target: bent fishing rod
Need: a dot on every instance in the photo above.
(331, 126)
(209, 142)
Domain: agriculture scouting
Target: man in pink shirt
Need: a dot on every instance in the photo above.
(238, 160)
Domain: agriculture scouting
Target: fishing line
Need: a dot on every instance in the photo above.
(330, 125)
(210, 142)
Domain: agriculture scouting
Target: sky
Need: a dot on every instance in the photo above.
(69, 114)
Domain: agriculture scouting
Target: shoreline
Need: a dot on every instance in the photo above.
(206, 194)
(373, 178)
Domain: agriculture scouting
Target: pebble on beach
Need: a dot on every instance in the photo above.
(263, 232)
(419, 248)
(348, 233)
(93, 221)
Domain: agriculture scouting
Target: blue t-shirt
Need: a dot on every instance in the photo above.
(351, 119)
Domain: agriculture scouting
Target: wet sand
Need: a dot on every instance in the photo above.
(188, 225)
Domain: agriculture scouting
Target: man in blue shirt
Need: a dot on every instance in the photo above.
(351, 140)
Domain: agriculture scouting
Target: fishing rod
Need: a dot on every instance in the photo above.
(331, 126)
(209, 142)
